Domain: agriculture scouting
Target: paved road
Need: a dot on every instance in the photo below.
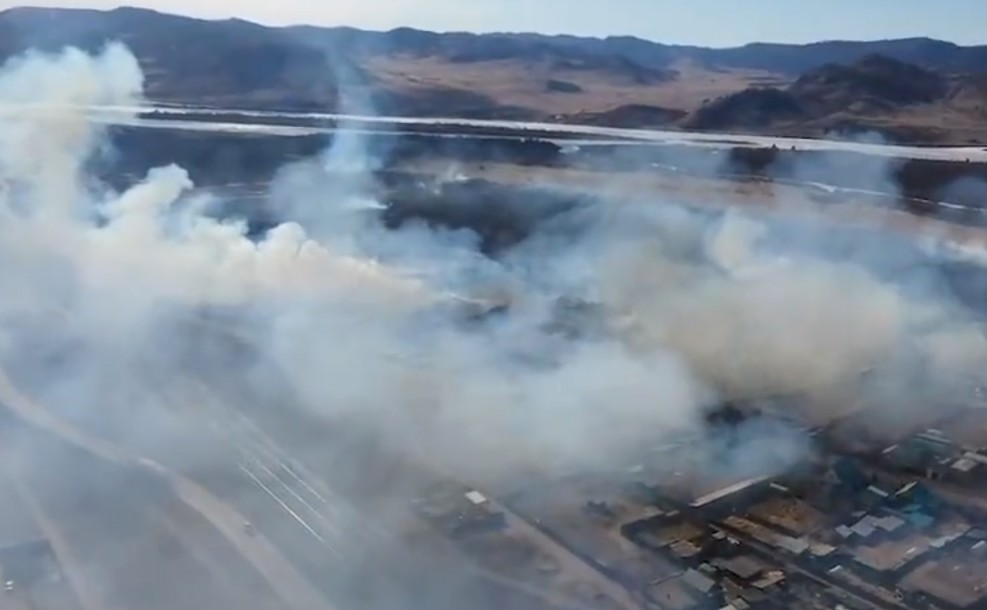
(263, 556)
(364, 560)
(89, 595)
(124, 538)
(325, 547)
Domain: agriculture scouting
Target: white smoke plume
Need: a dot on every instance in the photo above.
(697, 311)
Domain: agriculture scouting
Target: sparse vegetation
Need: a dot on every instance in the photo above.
(907, 89)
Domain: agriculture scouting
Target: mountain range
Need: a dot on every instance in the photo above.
(910, 89)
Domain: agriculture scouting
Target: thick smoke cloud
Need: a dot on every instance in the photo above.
(360, 322)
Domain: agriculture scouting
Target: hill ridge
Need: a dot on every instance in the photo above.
(614, 80)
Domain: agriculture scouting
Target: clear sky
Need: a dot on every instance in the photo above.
(702, 22)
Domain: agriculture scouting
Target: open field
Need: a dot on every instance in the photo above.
(760, 197)
(520, 83)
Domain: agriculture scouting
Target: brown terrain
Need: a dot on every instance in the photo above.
(914, 90)
(790, 201)
(563, 91)
(876, 93)
(898, 100)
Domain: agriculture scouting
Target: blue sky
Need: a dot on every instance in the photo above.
(704, 22)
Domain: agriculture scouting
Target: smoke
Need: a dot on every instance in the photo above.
(705, 312)
(618, 337)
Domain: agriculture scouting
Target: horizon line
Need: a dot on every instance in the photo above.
(297, 25)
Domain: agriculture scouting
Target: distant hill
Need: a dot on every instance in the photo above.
(873, 83)
(788, 59)
(797, 59)
(631, 116)
(186, 59)
(748, 110)
(621, 81)
(875, 93)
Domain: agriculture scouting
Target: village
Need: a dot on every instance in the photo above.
(858, 525)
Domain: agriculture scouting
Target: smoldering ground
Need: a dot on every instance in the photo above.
(114, 304)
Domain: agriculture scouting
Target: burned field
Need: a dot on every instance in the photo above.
(239, 168)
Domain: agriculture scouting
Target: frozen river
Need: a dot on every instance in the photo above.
(273, 123)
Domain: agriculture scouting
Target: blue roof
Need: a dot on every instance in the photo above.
(921, 520)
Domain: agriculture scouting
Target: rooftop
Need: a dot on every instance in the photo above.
(727, 491)
(744, 566)
(674, 594)
(868, 525)
(892, 555)
(699, 581)
(968, 428)
(683, 531)
(960, 581)
(768, 536)
(791, 514)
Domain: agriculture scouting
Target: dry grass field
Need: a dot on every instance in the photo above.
(784, 200)
(526, 83)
